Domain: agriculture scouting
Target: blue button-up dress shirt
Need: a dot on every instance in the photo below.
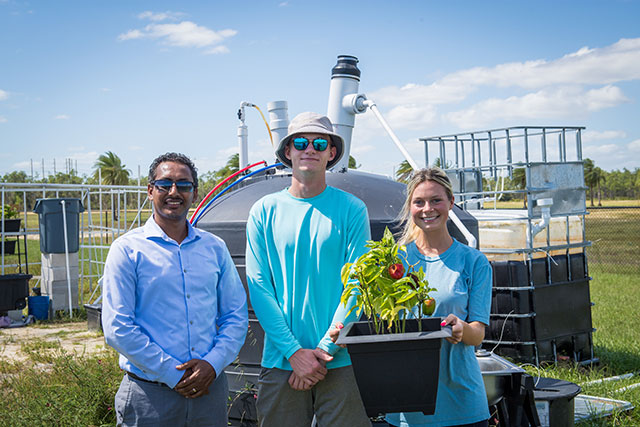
(165, 303)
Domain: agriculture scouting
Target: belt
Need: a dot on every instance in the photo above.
(135, 377)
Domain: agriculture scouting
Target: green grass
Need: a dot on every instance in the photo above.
(615, 237)
(616, 344)
(59, 389)
(56, 388)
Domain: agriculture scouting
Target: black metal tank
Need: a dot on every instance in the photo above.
(227, 218)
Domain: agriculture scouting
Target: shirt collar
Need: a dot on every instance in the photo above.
(153, 230)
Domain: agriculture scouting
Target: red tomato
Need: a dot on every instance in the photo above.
(396, 271)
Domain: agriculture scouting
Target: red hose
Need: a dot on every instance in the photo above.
(220, 184)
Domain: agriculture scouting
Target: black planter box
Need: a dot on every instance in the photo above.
(12, 225)
(14, 289)
(9, 247)
(396, 372)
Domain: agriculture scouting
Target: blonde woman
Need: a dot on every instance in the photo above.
(462, 277)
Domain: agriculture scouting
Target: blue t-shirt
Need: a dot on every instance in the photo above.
(295, 251)
(462, 277)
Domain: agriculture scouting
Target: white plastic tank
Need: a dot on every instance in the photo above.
(502, 229)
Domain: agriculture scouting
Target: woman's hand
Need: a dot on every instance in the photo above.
(457, 328)
(468, 333)
(334, 332)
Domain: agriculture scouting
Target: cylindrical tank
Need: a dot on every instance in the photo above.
(278, 121)
(345, 80)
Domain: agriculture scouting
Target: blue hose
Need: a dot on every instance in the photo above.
(204, 209)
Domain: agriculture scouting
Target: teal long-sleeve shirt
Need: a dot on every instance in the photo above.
(295, 251)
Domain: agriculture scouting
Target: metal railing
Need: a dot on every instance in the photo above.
(110, 211)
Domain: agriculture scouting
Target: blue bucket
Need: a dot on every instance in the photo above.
(39, 307)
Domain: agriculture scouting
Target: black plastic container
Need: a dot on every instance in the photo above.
(411, 359)
(555, 401)
(14, 289)
(541, 308)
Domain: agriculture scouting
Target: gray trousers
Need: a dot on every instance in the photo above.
(140, 403)
(335, 401)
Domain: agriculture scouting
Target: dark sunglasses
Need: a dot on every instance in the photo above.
(165, 185)
(301, 143)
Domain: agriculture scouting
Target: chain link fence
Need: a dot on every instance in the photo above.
(615, 236)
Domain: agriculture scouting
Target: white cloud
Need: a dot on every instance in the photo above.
(217, 50)
(600, 150)
(183, 34)
(131, 35)
(634, 145)
(3, 119)
(3, 95)
(161, 16)
(573, 85)
(552, 103)
(283, 4)
(62, 117)
(136, 148)
(105, 89)
(411, 93)
(617, 62)
(359, 149)
(592, 135)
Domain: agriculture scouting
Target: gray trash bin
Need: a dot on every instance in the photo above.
(52, 228)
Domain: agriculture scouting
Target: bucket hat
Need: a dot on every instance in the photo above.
(311, 123)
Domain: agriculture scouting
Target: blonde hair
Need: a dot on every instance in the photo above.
(410, 231)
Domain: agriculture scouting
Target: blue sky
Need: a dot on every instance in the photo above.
(139, 78)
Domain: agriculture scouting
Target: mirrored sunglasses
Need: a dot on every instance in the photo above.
(301, 143)
(165, 185)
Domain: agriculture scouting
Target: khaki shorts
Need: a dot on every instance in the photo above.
(335, 401)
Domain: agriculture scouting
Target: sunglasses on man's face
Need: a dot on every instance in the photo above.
(165, 185)
(301, 143)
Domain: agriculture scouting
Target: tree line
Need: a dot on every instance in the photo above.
(601, 185)
(110, 170)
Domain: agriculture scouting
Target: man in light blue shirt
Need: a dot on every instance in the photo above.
(297, 242)
(174, 308)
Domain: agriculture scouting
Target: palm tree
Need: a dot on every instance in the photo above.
(519, 180)
(353, 164)
(230, 168)
(590, 176)
(404, 171)
(112, 170)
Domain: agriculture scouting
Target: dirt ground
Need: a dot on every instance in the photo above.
(73, 337)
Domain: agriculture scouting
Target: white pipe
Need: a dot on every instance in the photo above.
(604, 380)
(278, 121)
(471, 240)
(66, 254)
(372, 106)
(243, 134)
(545, 204)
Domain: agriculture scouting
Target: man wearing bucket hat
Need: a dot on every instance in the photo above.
(298, 239)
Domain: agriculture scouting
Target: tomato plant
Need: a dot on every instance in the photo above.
(377, 285)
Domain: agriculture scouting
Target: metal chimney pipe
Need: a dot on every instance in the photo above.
(345, 81)
(278, 121)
